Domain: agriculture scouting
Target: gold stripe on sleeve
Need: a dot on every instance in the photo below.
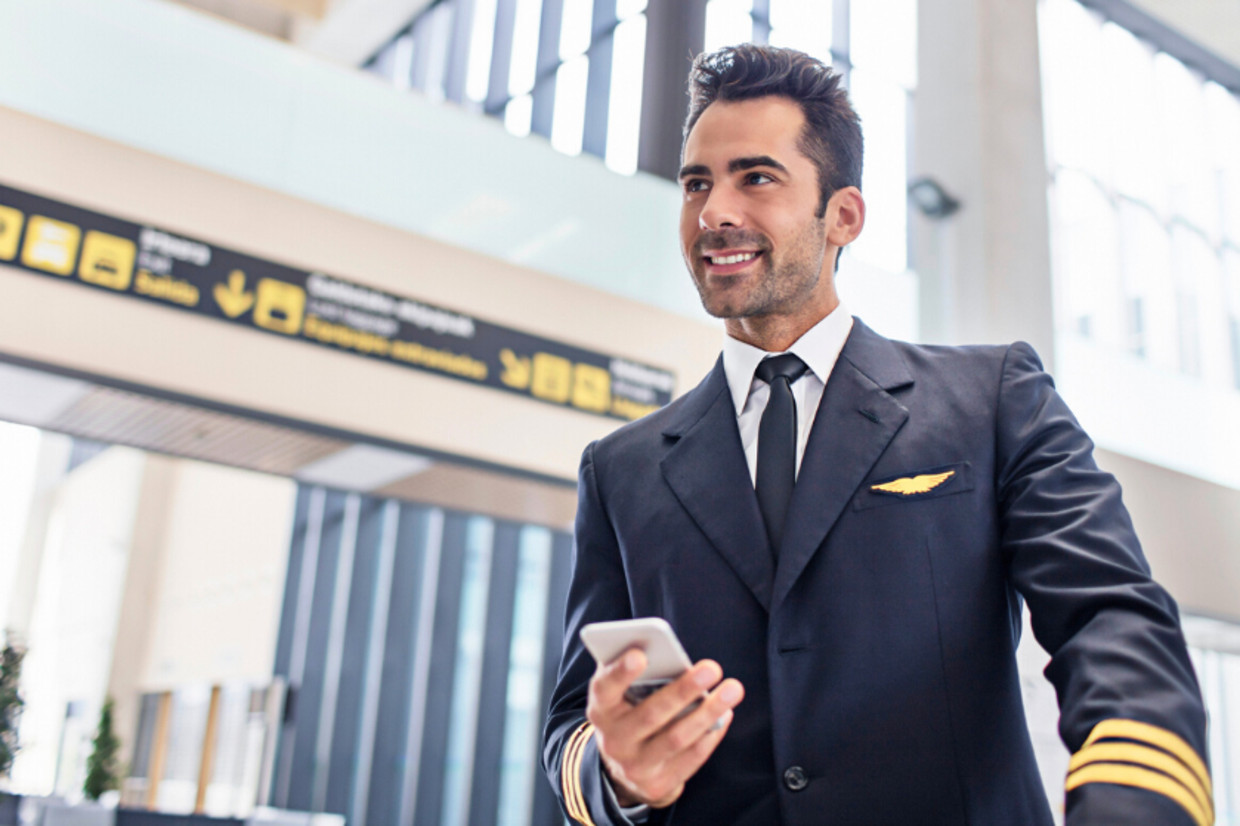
(1166, 740)
(570, 775)
(1146, 757)
(1141, 779)
(566, 786)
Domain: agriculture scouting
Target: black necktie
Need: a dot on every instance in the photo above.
(777, 443)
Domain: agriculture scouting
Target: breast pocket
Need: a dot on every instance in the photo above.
(914, 485)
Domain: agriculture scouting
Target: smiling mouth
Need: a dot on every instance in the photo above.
(734, 258)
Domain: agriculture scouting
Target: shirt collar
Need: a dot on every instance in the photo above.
(819, 348)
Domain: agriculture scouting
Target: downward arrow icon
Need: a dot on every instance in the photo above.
(233, 298)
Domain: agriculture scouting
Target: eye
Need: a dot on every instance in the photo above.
(696, 185)
(758, 178)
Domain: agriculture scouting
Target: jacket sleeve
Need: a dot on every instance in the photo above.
(597, 592)
(1130, 707)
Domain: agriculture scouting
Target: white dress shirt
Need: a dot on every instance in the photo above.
(819, 348)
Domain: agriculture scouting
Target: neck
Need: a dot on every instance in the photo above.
(775, 333)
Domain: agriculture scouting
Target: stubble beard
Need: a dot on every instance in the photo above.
(779, 288)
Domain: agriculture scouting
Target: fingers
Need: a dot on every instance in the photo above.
(691, 738)
(667, 704)
(610, 681)
(652, 749)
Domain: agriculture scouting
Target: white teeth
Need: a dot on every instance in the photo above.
(733, 259)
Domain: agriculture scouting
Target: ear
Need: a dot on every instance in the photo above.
(845, 216)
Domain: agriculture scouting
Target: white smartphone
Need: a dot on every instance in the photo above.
(665, 657)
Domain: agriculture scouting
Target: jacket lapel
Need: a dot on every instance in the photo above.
(857, 418)
(707, 472)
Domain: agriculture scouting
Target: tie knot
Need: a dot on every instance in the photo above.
(788, 366)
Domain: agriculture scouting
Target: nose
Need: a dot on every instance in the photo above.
(722, 209)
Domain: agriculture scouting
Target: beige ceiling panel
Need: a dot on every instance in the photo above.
(481, 491)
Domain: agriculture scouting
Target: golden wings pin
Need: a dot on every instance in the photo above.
(910, 485)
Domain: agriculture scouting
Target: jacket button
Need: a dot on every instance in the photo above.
(795, 779)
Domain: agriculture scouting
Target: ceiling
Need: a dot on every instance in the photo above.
(350, 30)
(1213, 24)
(87, 410)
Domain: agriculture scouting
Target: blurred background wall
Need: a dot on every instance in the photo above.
(313, 576)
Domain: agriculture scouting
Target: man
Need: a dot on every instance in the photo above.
(865, 618)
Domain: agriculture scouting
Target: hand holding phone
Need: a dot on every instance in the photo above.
(665, 656)
(687, 709)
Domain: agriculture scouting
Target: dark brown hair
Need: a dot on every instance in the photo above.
(832, 136)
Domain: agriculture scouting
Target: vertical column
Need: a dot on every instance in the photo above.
(357, 613)
(548, 59)
(501, 57)
(375, 643)
(546, 809)
(400, 703)
(458, 51)
(675, 32)
(292, 579)
(984, 271)
(298, 606)
(308, 703)
(443, 645)
(841, 32)
(761, 14)
(206, 763)
(493, 691)
(159, 749)
(598, 81)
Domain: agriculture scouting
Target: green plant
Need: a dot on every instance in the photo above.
(11, 703)
(103, 767)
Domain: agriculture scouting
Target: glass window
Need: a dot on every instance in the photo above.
(523, 719)
(187, 725)
(1194, 266)
(481, 43)
(883, 39)
(1085, 257)
(1223, 132)
(728, 22)
(1132, 130)
(624, 105)
(463, 723)
(1231, 266)
(144, 740)
(1074, 98)
(1227, 771)
(568, 120)
(518, 115)
(432, 37)
(1147, 293)
(803, 26)
(575, 28)
(1137, 145)
(524, 66)
(1192, 185)
(883, 107)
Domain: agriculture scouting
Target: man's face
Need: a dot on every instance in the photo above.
(747, 226)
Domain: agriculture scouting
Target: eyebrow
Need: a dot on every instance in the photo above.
(734, 165)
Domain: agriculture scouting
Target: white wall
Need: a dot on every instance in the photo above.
(78, 599)
(215, 607)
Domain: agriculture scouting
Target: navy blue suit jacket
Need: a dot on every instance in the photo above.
(878, 654)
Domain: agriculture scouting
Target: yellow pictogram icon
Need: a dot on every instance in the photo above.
(591, 387)
(107, 260)
(516, 369)
(280, 306)
(51, 245)
(232, 297)
(553, 377)
(10, 231)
